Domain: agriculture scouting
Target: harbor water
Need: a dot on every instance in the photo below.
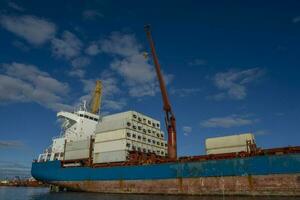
(28, 193)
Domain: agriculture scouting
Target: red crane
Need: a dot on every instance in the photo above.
(169, 115)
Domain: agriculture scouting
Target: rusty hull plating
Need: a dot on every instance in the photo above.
(265, 185)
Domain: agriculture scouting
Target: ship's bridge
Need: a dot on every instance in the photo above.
(87, 115)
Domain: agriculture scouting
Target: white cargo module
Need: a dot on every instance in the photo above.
(77, 150)
(228, 144)
(120, 133)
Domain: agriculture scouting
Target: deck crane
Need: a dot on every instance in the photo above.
(95, 102)
(169, 115)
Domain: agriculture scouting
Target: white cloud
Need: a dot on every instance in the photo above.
(130, 64)
(197, 62)
(68, 46)
(26, 83)
(10, 144)
(186, 130)
(78, 66)
(21, 45)
(135, 69)
(121, 44)
(279, 114)
(77, 72)
(92, 50)
(15, 6)
(80, 62)
(234, 83)
(117, 105)
(109, 82)
(261, 132)
(91, 14)
(33, 29)
(138, 74)
(184, 92)
(296, 19)
(110, 85)
(227, 121)
(110, 92)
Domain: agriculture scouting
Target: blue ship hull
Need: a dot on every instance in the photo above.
(257, 175)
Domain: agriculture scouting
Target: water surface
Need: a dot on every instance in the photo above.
(27, 193)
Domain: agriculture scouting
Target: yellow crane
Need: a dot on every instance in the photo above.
(95, 102)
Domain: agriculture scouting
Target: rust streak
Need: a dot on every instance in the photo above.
(250, 181)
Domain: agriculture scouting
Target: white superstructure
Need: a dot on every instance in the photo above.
(76, 126)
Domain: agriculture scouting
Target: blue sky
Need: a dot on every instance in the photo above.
(231, 67)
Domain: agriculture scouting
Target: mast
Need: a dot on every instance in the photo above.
(169, 115)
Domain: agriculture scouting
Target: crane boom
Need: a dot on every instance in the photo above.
(169, 115)
(96, 98)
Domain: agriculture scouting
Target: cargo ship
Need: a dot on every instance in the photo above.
(127, 153)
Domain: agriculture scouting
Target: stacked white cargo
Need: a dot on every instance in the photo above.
(228, 144)
(110, 146)
(120, 133)
(57, 151)
(77, 150)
